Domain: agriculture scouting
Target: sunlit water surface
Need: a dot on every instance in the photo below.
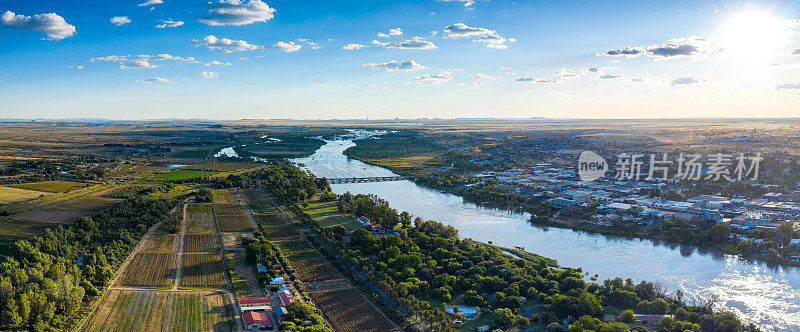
(769, 297)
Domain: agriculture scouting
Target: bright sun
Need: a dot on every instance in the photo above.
(752, 37)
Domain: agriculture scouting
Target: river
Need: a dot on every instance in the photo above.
(768, 297)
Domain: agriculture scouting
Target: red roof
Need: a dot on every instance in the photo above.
(256, 317)
(285, 300)
(253, 300)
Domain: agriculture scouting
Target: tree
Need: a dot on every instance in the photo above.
(503, 317)
(627, 316)
(665, 323)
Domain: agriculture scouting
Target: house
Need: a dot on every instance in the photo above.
(484, 328)
(277, 281)
(285, 297)
(281, 311)
(256, 320)
(649, 321)
(254, 303)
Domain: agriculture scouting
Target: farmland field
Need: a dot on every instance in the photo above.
(315, 270)
(262, 208)
(149, 269)
(203, 271)
(200, 243)
(199, 218)
(158, 243)
(52, 186)
(182, 174)
(224, 166)
(13, 230)
(222, 196)
(234, 223)
(254, 195)
(11, 194)
(162, 311)
(298, 249)
(228, 208)
(349, 311)
(277, 233)
(275, 219)
(68, 211)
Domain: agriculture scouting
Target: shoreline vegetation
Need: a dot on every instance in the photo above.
(456, 185)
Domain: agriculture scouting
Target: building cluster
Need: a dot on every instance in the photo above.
(266, 312)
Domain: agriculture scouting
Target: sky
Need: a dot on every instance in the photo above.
(367, 59)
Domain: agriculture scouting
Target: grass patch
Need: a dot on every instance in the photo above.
(14, 230)
(182, 174)
(327, 215)
(53, 186)
(11, 194)
(262, 208)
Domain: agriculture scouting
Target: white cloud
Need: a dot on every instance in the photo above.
(286, 46)
(137, 64)
(353, 47)
(151, 2)
(217, 63)
(673, 48)
(433, 79)
(169, 24)
(152, 80)
(471, 84)
(207, 74)
(533, 80)
(76, 67)
(684, 80)
(788, 86)
(467, 3)
(391, 32)
(237, 12)
(120, 20)
(53, 25)
(395, 65)
(482, 76)
(478, 35)
(415, 42)
(213, 42)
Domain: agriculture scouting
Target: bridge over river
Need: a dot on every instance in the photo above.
(364, 180)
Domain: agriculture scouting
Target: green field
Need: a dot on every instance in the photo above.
(161, 311)
(262, 208)
(13, 230)
(327, 215)
(52, 186)
(11, 194)
(182, 174)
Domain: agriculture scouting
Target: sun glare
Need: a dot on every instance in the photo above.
(752, 37)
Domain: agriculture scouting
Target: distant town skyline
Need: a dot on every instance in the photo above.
(253, 59)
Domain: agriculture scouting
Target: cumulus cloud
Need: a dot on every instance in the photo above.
(217, 63)
(75, 67)
(169, 24)
(391, 32)
(684, 80)
(610, 76)
(478, 35)
(230, 45)
(137, 64)
(353, 47)
(415, 43)
(207, 74)
(433, 79)
(482, 76)
(533, 80)
(151, 2)
(395, 65)
(53, 25)
(674, 48)
(788, 86)
(471, 84)
(120, 20)
(237, 12)
(152, 80)
(286, 46)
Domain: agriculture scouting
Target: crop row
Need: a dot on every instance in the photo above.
(349, 311)
(148, 269)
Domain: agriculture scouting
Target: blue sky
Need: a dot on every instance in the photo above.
(235, 59)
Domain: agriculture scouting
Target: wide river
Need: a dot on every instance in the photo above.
(769, 297)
